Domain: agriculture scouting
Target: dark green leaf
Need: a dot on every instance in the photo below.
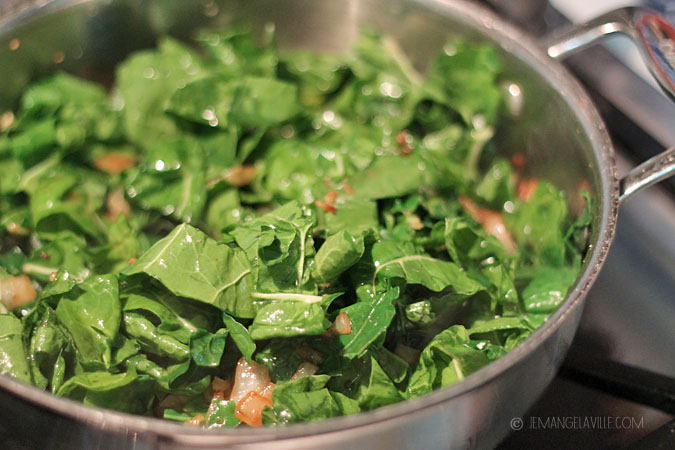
(369, 320)
(287, 318)
(338, 253)
(207, 348)
(192, 265)
(240, 336)
(13, 359)
(91, 312)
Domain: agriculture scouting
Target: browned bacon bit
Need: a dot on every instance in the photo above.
(325, 206)
(116, 204)
(132, 260)
(341, 325)
(240, 175)
(53, 277)
(491, 221)
(114, 162)
(328, 201)
(518, 161)
(401, 138)
(195, 421)
(16, 291)
(405, 151)
(347, 188)
(330, 197)
(404, 142)
(44, 255)
(324, 285)
(526, 188)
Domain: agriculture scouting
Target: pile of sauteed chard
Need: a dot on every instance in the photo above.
(240, 235)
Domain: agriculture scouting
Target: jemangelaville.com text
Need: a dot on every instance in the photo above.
(585, 422)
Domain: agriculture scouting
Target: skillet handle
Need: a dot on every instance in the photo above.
(653, 34)
(649, 172)
(655, 38)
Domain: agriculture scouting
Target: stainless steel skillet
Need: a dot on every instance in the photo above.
(552, 121)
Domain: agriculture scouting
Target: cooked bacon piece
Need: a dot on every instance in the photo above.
(518, 161)
(116, 204)
(16, 291)
(325, 206)
(404, 142)
(491, 221)
(114, 162)
(240, 175)
(328, 202)
(526, 188)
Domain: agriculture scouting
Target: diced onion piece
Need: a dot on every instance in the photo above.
(249, 377)
(309, 354)
(491, 221)
(221, 388)
(16, 229)
(195, 421)
(16, 291)
(116, 204)
(114, 162)
(6, 120)
(342, 323)
(216, 397)
(305, 369)
(218, 384)
(268, 390)
(249, 409)
(240, 175)
(526, 188)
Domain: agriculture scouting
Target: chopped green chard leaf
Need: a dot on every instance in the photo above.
(297, 235)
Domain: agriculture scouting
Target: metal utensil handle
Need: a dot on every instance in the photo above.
(655, 38)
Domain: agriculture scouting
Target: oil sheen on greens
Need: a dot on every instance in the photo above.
(263, 193)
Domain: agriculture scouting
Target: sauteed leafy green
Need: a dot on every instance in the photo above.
(239, 234)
